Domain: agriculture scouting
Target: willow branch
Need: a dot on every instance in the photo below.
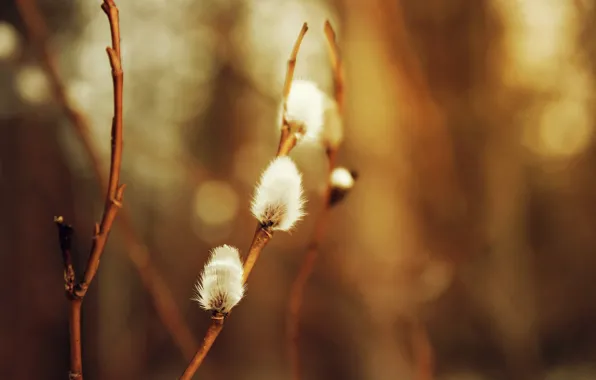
(262, 234)
(76, 293)
(422, 352)
(217, 323)
(307, 265)
(115, 191)
(336, 65)
(65, 234)
(306, 268)
(288, 139)
(167, 310)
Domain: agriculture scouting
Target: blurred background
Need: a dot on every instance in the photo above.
(465, 251)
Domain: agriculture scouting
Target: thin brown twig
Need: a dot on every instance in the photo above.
(263, 234)
(113, 203)
(162, 298)
(423, 352)
(307, 265)
(288, 139)
(217, 324)
(115, 190)
(336, 65)
(259, 241)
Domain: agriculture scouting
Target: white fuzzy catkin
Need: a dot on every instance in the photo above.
(220, 286)
(278, 201)
(341, 178)
(314, 113)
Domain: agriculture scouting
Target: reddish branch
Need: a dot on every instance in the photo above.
(262, 234)
(165, 306)
(307, 265)
(76, 293)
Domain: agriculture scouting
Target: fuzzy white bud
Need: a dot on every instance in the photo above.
(278, 202)
(341, 178)
(220, 286)
(312, 113)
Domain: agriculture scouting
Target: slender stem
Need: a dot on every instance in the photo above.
(259, 241)
(306, 267)
(288, 138)
(217, 324)
(262, 234)
(292, 64)
(423, 351)
(336, 65)
(287, 141)
(74, 322)
(162, 298)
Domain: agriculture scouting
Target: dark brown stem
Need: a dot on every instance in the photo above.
(217, 324)
(65, 233)
(306, 267)
(115, 190)
(151, 278)
(113, 203)
(74, 323)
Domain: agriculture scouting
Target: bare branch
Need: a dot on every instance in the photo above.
(336, 65)
(262, 234)
(288, 139)
(308, 262)
(163, 301)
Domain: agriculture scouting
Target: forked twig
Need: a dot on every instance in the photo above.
(161, 296)
(307, 265)
(76, 293)
(263, 234)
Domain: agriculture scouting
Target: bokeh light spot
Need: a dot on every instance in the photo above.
(9, 41)
(32, 85)
(215, 203)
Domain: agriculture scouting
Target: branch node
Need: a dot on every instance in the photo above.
(116, 202)
(74, 375)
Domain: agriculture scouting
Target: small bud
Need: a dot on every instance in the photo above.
(341, 182)
(313, 114)
(278, 201)
(220, 286)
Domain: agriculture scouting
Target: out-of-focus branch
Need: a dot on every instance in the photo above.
(336, 65)
(307, 265)
(422, 352)
(162, 298)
